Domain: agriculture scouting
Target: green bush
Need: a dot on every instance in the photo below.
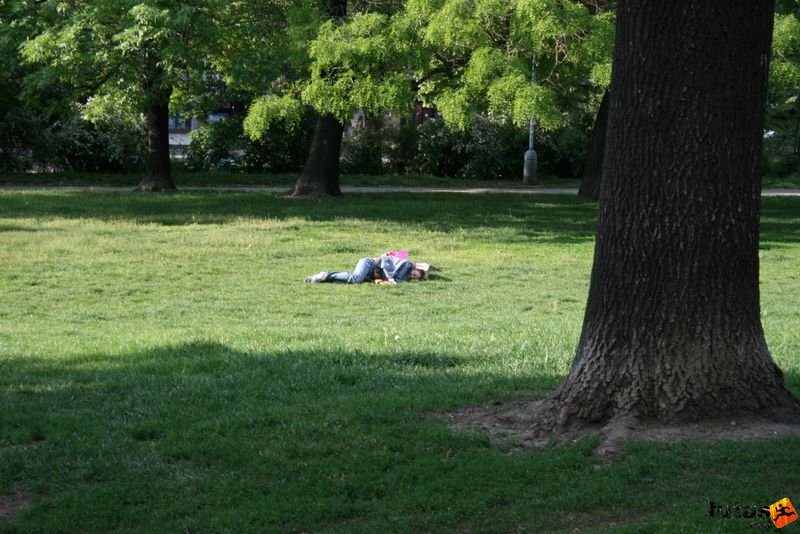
(363, 149)
(489, 149)
(113, 145)
(563, 152)
(495, 150)
(24, 140)
(379, 147)
(222, 145)
(216, 145)
(781, 165)
(400, 146)
(440, 149)
(281, 149)
(71, 143)
(30, 141)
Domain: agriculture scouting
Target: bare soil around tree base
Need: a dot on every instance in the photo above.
(527, 424)
(11, 506)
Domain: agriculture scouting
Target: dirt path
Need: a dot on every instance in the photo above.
(354, 189)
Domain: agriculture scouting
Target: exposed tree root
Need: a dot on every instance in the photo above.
(151, 185)
(11, 506)
(310, 193)
(535, 423)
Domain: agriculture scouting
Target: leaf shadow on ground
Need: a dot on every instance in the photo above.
(556, 218)
(559, 218)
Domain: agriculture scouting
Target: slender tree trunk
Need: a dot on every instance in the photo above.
(592, 171)
(321, 172)
(672, 330)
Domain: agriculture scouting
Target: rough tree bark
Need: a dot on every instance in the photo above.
(592, 171)
(320, 175)
(159, 168)
(672, 328)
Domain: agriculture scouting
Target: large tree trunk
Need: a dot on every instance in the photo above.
(321, 172)
(672, 329)
(159, 168)
(593, 169)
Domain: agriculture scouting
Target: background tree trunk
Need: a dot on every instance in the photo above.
(159, 168)
(672, 329)
(592, 171)
(321, 172)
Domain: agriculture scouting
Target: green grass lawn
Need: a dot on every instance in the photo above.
(220, 179)
(163, 368)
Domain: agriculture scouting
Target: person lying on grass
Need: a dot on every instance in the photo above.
(390, 268)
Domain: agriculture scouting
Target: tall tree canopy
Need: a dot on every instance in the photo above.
(479, 54)
(352, 58)
(462, 56)
(128, 54)
(785, 77)
(672, 330)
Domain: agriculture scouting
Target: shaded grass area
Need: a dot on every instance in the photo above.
(164, 368)
(222, 179)
(287, 180)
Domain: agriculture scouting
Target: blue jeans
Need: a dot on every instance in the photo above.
(363, 271)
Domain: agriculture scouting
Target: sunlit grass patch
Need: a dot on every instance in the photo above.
(164, 367)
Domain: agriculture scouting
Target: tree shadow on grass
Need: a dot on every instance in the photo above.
(552, 218)
(202, 435)
(780, 222)
(207, 369)
(109, 430)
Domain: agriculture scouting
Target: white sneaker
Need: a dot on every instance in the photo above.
(316, 278)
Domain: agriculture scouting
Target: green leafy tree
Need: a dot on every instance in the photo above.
(784, 116)
(478, 57)
(351, 58)
(23, 132)
(463, 56)
(128, 55)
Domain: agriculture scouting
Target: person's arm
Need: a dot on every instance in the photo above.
(391, 267)
(402, 271)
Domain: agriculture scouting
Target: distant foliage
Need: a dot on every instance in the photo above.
(363, 149)
(782, 136)
(563, 152)
(379, 147)
(488, 149)
(70, 144)
(215, 144)
(113, 144)
(281, 146)
(23, 140)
